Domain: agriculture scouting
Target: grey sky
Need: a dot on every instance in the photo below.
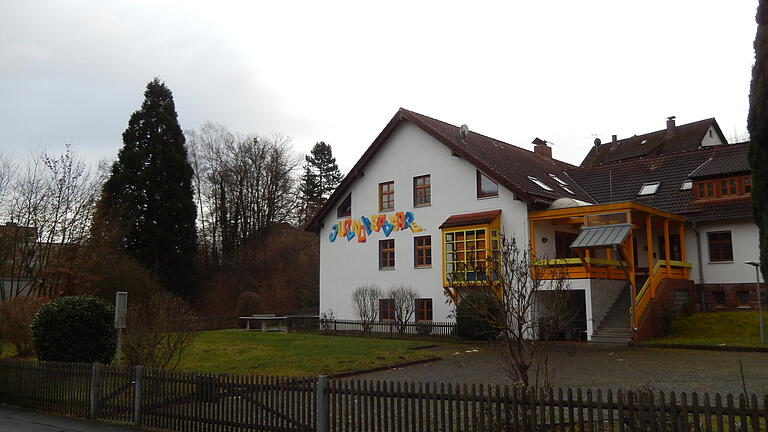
(337, 71)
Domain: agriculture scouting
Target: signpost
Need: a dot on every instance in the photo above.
(121, 307)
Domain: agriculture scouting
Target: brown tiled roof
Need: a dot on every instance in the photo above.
(506, 164)
(478, 218)
(724, 165)
(621, 181)
(724, 208)
(686, 137)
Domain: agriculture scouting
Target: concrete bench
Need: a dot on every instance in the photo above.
(265, 320)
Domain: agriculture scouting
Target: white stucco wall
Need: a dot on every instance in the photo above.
(711, 138)
(744, 238)
(408, 152)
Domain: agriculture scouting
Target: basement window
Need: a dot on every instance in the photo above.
(557, 179)
(540, 183)
(649, 189)
(687, 185)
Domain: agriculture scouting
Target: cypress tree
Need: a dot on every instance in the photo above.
(149, 196)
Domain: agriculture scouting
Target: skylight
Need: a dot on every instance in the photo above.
(567, 190)
(649, 189)
(687, 185)
(557, 179)
(540, 183)
(643, 142)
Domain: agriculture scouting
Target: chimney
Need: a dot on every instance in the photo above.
(541, 147)
(613, 138)
(670, 126)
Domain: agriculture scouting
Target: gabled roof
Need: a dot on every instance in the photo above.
(622, 180)
(721, 166)
(508, 165)
(685, 138)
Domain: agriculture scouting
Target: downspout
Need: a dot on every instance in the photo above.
(701, 267)
(620, 256)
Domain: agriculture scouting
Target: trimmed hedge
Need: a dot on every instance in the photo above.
(477, 316)
(75, 329)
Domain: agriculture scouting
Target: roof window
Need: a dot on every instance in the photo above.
(649, 189)
(687, 185)
(540, 183)
(643, 142)
(557, 179)
(565, 188)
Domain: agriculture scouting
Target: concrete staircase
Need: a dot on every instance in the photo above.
(614, 330)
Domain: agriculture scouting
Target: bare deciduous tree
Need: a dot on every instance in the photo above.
(365, 304)
(403, 304)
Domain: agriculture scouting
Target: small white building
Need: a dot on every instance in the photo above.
(425, 191)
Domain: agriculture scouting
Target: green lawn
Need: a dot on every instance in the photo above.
(739, 328)
(242, 352)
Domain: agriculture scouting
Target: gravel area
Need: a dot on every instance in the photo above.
(581, 366)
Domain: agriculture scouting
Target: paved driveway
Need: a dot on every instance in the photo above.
(580, 366)
(20, 420)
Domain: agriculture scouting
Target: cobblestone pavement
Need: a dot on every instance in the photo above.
(580, 366)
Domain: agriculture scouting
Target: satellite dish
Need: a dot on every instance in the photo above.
(464, 131)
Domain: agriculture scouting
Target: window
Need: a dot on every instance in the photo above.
(719, 297)
(565, 188)
(557, 179)
(705, 190)
(648, 189)
(423, 309)
(743, 297)
(422, 251)
(728, 187)
(687, 185)
(387, 254)
(720, 247)
(422, 191)
(563, 242)
(345, 208)
(540, 183)
(387, 196)
(486, 187)
(747, 182)
(467, 254)
(386, 309)
(674, 247)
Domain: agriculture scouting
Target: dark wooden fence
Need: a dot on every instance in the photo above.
(183, 401)
(426, 331)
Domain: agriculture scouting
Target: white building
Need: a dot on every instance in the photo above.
(425, 191)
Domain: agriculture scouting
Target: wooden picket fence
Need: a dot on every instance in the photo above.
(423, 331)
(184, 401)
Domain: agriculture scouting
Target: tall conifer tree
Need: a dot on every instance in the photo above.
(149, 194)
(320, 178)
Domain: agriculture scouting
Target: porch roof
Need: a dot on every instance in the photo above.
(596, 209)
(602, 236)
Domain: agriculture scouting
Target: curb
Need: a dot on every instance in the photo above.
(386, 367)
(704, 347)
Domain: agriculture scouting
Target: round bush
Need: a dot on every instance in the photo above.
(75, 329)
(477, 316)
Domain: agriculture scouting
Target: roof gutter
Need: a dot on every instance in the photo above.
(701, 266)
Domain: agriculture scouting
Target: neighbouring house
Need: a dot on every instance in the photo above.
(17, 259)
(647, 223)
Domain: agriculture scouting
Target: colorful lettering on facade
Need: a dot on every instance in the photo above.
(363, 227)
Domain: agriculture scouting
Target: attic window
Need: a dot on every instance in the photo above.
(557, 179)
(687, 185)
(539, 182)
(567, 190)
(345, 208)
(648, 189)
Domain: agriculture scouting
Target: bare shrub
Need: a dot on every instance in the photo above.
(158, 331)
(365, 304)
(403, 304)
(16, 314)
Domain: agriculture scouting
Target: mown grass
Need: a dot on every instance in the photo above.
(243, 352)
(734, 328)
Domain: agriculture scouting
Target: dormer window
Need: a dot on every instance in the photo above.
(345, 208)
(540, 183)
(649, 189)
(687, 185)
(557, 179)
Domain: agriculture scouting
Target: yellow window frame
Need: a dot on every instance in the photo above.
(492, 238)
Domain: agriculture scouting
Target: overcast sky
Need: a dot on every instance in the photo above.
(73, 72)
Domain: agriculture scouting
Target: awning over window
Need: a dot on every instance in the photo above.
(478, 218)
(602, 236)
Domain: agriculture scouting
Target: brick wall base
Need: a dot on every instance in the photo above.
(730, 299)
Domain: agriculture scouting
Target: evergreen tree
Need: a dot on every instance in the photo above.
(320, 178)
(148, 196)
